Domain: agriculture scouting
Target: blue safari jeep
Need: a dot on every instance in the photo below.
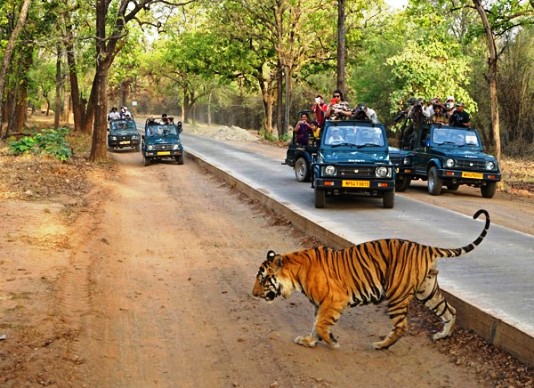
(123, 133)
(353, 158)
(162, 141)
(452, 156)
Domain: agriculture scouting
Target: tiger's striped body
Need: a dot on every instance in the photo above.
(391, 269)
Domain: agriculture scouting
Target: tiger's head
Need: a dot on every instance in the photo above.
(267, 285)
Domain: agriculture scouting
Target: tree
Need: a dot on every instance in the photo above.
(9, 51)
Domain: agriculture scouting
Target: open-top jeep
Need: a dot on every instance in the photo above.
(353, 158)
(123, 133)
(452, 156)
(162, 141)
(300, 156)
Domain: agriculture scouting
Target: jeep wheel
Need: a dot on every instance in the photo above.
(146, 161)
(488, 191)
(180, 159)
(320, 198)
(452, 187)
(402, 184)
(137, 148)
(302, 170)
(435, 183)
(389, 199)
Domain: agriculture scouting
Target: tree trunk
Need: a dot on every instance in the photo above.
(492, 78)
(279, 99)
(341, 46)
(58, 105)
(8, 52)
(98, 147)
(77, 108)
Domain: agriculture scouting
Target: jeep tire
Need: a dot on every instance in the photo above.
(180, 159)
(302, 170)
(435, 183)
(320, 198)
(402, 184)
(488, 190)
(146, 161)
(389, 199)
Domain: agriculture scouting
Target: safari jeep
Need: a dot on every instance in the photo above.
(451, 156)
(162, 141)
(300, 157)
(353, 158)
(123, 133)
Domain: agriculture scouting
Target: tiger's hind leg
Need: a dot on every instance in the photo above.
(397, 310)
(431, 296)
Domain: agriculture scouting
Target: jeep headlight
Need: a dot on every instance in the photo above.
(135, 137)
(490, 165)
(383, 172)
(150, 148)
(329, 170)
(175, 147)
(449, 163)
(407, 161)
(114, 138)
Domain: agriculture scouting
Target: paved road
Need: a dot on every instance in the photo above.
(498, 277)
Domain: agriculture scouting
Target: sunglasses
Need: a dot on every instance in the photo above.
(336, 96)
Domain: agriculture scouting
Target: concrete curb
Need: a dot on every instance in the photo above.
(494, 330)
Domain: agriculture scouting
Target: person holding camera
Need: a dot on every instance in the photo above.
(319, 108)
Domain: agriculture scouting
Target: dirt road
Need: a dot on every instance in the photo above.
(150, 287)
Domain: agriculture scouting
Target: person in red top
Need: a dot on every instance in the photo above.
(319, 108)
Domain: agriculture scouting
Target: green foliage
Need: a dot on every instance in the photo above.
(50, 142)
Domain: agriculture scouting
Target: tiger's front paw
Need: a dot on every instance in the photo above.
(307, 341)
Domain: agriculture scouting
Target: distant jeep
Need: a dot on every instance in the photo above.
(162, 141)
(452, 156)
(123, 133)
(353, 158)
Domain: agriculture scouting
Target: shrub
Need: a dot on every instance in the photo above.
(48, 142)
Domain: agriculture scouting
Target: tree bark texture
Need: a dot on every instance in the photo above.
(341, 46)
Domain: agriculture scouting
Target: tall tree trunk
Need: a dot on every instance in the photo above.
(492, 78)
(58, 103)
(77, 108)
(341, 46)
(279, 98)
(8, 52)
(89, 116)
(98, 147)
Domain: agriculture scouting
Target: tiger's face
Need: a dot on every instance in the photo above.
(267, 285)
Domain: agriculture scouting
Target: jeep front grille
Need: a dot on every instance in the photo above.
(163, 147)
(356, 172)
(471, 164)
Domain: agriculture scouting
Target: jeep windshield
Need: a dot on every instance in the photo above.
(455, 137)
(354, 136)
(123, 125)
(162, 130)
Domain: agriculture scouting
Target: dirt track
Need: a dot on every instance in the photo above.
(151, 287)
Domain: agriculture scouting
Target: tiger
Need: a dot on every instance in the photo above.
(396, 270)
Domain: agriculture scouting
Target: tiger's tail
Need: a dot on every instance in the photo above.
(468, 248)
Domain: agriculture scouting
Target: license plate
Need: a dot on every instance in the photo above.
(355, 183)
(125, 142)
(164, 153)
(472, 175)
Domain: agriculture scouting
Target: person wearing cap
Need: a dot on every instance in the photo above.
(439, 115)
(460, 118)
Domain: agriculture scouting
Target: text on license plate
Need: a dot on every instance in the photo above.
(125, 142)
(164, 152)
(355, 183)
(472, 175)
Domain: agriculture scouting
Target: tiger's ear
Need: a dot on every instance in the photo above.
(270, 255)
(278, 261)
